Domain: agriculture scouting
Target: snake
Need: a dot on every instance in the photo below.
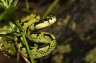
(40, 43)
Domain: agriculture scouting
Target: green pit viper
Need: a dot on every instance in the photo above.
(40, 43)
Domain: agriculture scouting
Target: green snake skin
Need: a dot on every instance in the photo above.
(40, 43)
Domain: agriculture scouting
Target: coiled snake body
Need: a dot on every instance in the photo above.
(44, 42)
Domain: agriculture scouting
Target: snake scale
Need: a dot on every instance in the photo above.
(40, 43)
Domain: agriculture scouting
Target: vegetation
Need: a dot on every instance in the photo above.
(69, 36)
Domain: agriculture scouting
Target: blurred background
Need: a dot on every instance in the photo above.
(75, 29)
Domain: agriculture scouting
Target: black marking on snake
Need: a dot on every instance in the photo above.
(19, 40)
(41, 21)
(24, 22)
(49, 36)
(21, 48)
(41, 45)
(27, 29)
(47, 19)
(35, 32)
